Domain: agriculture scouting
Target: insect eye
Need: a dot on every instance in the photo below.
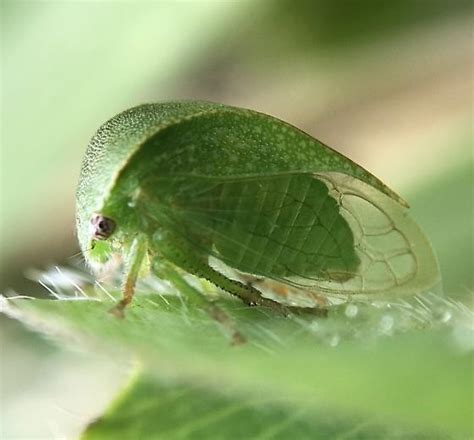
(101, 227)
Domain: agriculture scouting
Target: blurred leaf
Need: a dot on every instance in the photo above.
(322, 25)
(443, 206)
(153, 410)
(347, 364)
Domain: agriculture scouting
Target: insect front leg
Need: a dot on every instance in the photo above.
(133, 263)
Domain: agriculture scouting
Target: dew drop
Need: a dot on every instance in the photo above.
(386, 323)
(464, 337)
(351, 311)
(334, 340)
(443, 316)
(314, 326)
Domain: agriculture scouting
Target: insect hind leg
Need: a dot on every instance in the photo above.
(183, 257)
(251, 296)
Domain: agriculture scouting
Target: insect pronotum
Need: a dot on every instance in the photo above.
(178, 187)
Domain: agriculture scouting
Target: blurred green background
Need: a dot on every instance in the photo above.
(387, 83)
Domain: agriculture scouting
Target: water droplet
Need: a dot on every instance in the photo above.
(443, 316)
(386, 323)
(351, 311)
(334, 340)
(464, 337)
(314, 326)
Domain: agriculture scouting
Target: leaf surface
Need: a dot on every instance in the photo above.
(364, 362)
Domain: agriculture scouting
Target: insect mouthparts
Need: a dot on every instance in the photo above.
(101, 227)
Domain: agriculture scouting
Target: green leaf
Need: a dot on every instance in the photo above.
(156, 410)
(381, 364)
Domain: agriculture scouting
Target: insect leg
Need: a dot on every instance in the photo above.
(167, 271)
(133, 263)
(252, 296)
(179, 254)
(246, 292)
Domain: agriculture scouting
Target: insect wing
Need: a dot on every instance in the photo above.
(324, 232)
(395, 255)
